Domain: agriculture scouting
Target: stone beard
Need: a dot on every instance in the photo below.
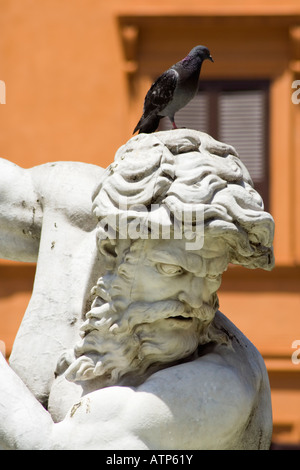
(122, 339)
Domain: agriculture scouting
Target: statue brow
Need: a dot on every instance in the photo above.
(189, 262)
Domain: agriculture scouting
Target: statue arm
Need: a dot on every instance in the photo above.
(173, 409)
(20, 214)
(27, 194)
(24, 423)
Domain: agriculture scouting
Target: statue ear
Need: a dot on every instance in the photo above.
(108, 248)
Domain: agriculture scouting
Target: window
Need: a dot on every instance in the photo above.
(235, 112)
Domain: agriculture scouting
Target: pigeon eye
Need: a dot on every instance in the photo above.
(169, 269)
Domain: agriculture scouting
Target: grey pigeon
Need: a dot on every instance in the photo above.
(172, 90)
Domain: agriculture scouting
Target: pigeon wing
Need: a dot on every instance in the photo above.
(160, 93)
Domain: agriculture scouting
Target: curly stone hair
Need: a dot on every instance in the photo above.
(185, 171)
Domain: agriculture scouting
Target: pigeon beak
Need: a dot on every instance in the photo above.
(211, 59)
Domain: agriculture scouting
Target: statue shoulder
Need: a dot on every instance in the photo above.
(242, 354)
(65, 175)
(67, 187)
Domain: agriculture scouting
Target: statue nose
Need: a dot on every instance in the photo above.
(193, 295)
(192, 301)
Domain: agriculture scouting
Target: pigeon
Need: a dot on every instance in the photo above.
(172, 90)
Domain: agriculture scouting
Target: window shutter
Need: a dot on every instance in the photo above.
(242, 124)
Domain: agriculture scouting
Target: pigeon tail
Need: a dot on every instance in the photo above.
(147, 124)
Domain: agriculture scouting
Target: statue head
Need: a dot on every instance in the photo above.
(160, 181)
(174, 209)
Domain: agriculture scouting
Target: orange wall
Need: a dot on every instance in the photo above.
(69, 96)
(60, 60)
(66, 89)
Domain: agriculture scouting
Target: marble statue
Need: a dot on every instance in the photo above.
(122, 345)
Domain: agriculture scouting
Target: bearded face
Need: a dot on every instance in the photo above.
(153, 309)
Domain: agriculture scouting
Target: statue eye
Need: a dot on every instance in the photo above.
(169, 269)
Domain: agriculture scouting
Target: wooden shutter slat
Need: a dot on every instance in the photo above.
(242, 124)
